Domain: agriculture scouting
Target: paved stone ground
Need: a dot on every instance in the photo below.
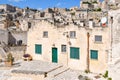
(114, 71)
(19, 78)
(31, 66)
(74, 75)
(35, 66)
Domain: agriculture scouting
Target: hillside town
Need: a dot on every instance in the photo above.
(79, 43)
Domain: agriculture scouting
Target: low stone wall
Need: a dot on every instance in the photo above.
(31, 76)
(17, 52)
(17, 55)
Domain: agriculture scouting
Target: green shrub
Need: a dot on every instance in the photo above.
(99, 9)
(106, 74)
(87, 71)
(109, 78)
(94, 2)
(73, 13)
(9, 57)
(86, 2)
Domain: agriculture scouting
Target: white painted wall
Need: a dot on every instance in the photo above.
(55, 36)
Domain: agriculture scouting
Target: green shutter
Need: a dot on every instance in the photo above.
(94, 54)
(38, 49)
(74, 53)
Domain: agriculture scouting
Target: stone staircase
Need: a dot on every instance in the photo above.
(56, 72)
(3, 50)
(2, 53)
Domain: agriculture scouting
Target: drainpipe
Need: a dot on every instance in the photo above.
(111, 38)
(67, 47)
(88, 60)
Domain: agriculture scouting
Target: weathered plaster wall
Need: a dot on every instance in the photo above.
(4, 36)
(15, 36)
(56, 39)
(115, 36)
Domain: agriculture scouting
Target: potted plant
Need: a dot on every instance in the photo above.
(9, 60)
(27, 57)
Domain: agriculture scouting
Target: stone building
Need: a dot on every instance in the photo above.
(3, 36)
(114, 23)
(17, 38)
(69, 44)
(7, 8)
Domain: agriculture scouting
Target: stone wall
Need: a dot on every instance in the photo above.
(16, 36)
(115, 35)
(17, 52)
(4, 36)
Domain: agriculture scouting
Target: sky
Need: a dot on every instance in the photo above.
(42, 4)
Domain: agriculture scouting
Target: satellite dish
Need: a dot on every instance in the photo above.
(104, 20)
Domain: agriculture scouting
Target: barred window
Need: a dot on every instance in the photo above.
(98, 38)
(72, 34)
(63, 48)
(45, 34)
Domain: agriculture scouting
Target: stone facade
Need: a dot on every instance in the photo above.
(61, 36)
(4, 36)
(17, 38)
(115, 30)
(7, 7)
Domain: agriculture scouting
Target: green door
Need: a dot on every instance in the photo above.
(54, 55)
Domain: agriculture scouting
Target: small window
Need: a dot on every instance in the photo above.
(45, 34)
(83, 16)
(94, 54)
(72, 34)
(98, 38)
(79, 15)
(63, 48)
(29, 25)
(38, 49)
(42, 14)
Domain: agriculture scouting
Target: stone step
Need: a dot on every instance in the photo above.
(57, 72)
(2, 53)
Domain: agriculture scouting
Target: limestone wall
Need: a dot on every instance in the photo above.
(58, 36)
(115, 34)
(18, 52)
(29, 76)
(4, 36)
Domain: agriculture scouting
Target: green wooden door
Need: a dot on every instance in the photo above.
(54, 55)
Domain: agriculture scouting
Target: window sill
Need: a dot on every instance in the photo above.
(94, 59)
(63, 52)
(38, 53)
(74, 58)
(45, 37)
(73, 38)
(98, 42)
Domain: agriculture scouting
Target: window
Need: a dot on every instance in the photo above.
(74, 53)
(63, 48)
(72, 34)
(42, 14)
(38, 49)
(94, 54)
(79, 15)
(83, 16)
(45, 34)
(98, 38)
